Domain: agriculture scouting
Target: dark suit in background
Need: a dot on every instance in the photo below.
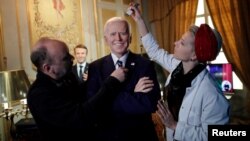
(75, 72)
(130, 119)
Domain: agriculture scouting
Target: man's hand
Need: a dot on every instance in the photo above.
(120, 73)
(136, 14)
(165, 115)
(85, 76)
(144, 85)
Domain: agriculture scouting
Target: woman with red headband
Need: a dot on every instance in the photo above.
(194, 100)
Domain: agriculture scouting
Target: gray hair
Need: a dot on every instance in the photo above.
(116, 19)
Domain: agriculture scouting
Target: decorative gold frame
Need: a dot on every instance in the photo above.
(60, 19)
(2, 58)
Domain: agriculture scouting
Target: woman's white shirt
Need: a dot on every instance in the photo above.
(203, 103)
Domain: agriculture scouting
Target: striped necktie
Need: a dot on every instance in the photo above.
(80, 73)
(119, 63)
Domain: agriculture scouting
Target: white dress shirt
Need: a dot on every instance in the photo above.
(78, 67)
(123, 59)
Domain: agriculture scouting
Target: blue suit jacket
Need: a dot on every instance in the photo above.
(129, 118)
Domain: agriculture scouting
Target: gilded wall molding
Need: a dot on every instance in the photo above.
(57, 19)
(2, 55)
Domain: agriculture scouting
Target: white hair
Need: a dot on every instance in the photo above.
(116, 19)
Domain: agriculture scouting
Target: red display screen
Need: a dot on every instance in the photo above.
(223, 75)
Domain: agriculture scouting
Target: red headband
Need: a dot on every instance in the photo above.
(206, 44)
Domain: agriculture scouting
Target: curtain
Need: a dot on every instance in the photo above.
(232, 19)
(169, 19)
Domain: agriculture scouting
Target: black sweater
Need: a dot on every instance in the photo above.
(60, 110)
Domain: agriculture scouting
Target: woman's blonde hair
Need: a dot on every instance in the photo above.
(193, 29)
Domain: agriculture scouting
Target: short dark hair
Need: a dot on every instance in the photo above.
(40, 56)
(80, 46)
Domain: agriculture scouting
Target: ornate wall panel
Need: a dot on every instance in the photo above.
(2, 57)
(108, 0)
(59, 19)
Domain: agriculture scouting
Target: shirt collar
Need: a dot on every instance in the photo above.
(83, 64)
(123, 58)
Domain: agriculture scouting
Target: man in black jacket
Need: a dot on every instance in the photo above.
(55, 100)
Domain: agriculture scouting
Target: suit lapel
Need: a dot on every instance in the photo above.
(130, 64)
(74, 70)
(86, 67)
(107, 66)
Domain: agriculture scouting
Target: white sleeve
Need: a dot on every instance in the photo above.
(159, 55)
